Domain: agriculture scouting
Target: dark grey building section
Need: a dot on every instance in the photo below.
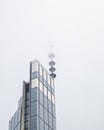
(25, 115)
(37, 108)
(15, 122)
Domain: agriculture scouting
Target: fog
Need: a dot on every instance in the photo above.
(76, 30)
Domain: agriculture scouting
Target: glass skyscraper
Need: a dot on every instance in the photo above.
(36, 107)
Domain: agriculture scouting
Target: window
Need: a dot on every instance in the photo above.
(48, 79)
(45, 77)
(34, 108)
(10, 125)
(37, 123)
(53, 110)
(34, 123)
(45, 101)
(15, 119)
(41, 111)
(46, 127)
(52, 83)
(53, 91)
(49, 95)
(34, 83)
(49, 88)
(34, 94)
(45, 91)
(41, 86)
(53, 99)
(50, 106)
(19, 115)
(40, 70)
(34, 75)
(46, 116)
(50, 129)
(41, 125)
(45, 84)
(34, 67)
(41, 97)
(16, 128)
(41, 79)
(19, 126)
(50, 120)
(54, 123)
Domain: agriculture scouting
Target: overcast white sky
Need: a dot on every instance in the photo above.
(76, 29)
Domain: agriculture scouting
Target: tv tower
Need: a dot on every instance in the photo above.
(52, 63)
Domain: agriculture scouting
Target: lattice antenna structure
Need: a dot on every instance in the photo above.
(52, 64)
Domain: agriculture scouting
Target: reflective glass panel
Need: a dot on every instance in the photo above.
(41, 97)
(49, 95)
(53, 99)
(54, 123)
(45, 91)
(45, 101)
(46, 127)
(48, 79)
(50, 106)
(34, 123)
(50, 120)
(34, 75)
(34, 94)
(46, 116)
(41, 125)
(40, 70)
(34, 67)
(34, 83)
(52, 83)
(41, 86)
(41, 111)
(45, 76)
(34, 108)
(53, 108)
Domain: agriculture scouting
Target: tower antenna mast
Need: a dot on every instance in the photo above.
(52, 63)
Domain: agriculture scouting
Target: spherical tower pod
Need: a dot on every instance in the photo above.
(52, 64)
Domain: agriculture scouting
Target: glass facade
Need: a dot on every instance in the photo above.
(15, 122)
(44, 98)
(37, 110)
